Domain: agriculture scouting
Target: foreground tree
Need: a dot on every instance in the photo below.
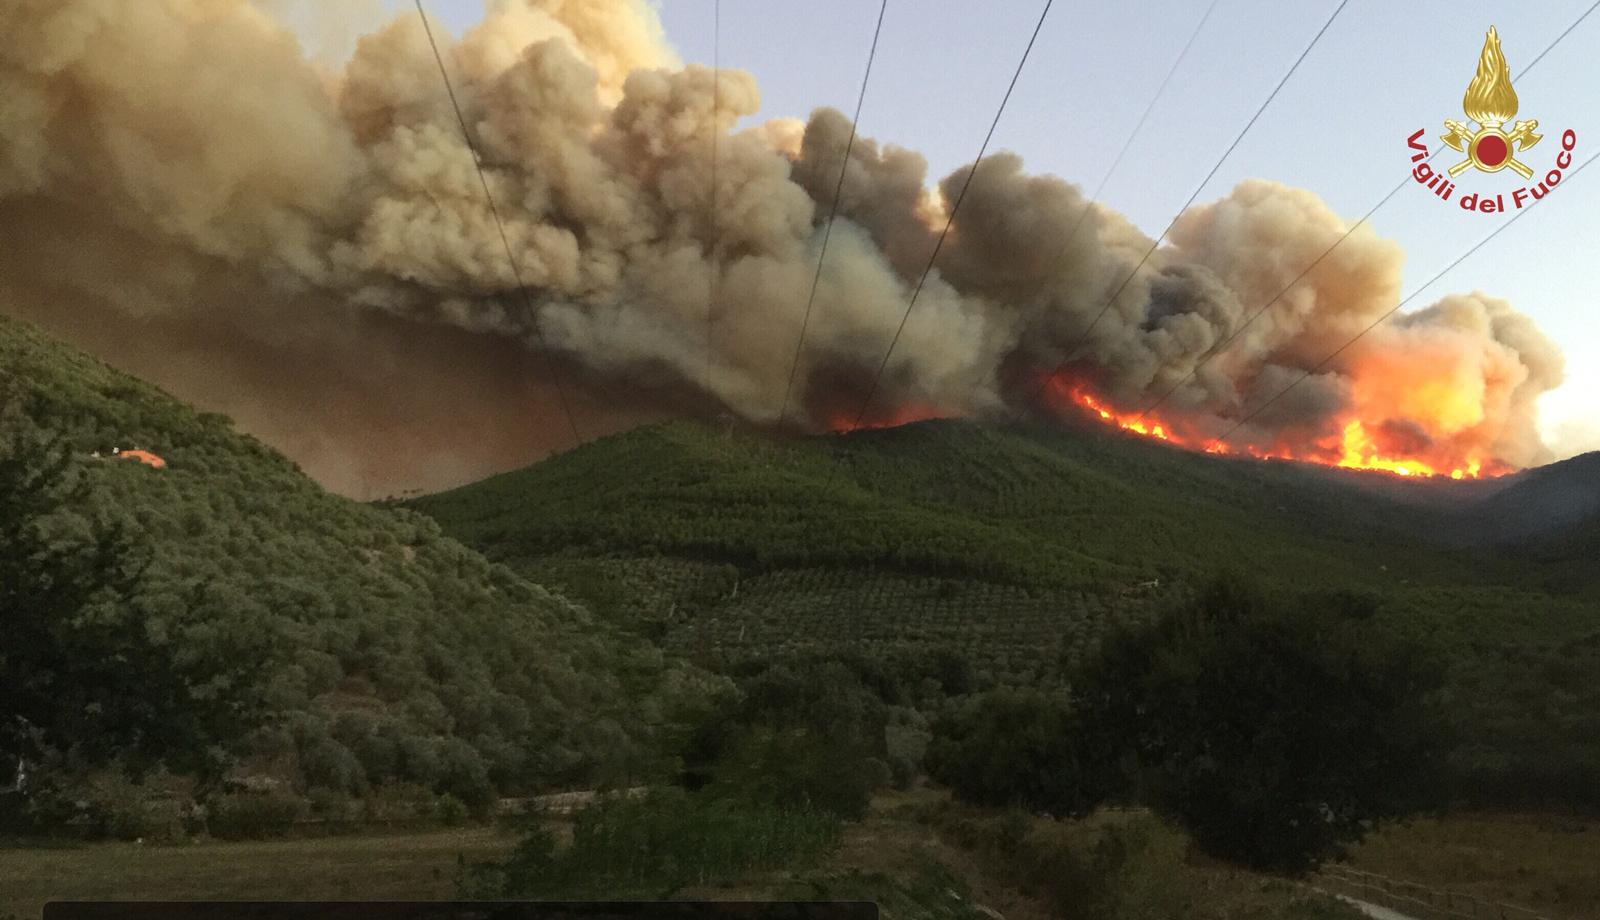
(1021, 749)
(1275, 730)
(83, 681)
(806, 737)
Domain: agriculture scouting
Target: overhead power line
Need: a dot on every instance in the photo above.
(1116, 161)
(956, 206)
(1568, 177)
(1218, 348)
(711, 207)
(505, 241)
(833, 211)
(1106, 307)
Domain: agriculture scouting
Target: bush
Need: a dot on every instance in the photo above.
(1125, 865)
(327, 764)
(805, 737)
(451, 811)
(902, 773)
(397, 802)
(150, 820)
(653, 846)
(463, 776)
(1019, 749)
(253, 815)
(105, 805)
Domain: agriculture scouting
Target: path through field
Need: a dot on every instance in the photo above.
(1373, 910)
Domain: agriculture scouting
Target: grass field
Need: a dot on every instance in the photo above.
(895, 857)
(1543, 862)
(409, 866)
(892, 860)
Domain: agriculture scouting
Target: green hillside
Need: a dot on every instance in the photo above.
(957, 557)
(389, 651)
(1062, 508)
(1549, 519)
(1541, 502)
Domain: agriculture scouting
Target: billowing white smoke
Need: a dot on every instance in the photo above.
(193, 197)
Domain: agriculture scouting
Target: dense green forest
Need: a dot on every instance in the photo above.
(365, 647)
(959, 558)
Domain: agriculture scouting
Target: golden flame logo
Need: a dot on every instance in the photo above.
(1491, 102)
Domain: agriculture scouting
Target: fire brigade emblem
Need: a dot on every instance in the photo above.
(1491, 103)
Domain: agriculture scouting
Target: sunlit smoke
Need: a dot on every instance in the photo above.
(180, 168)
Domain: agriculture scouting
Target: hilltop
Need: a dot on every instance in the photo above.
(391, 651)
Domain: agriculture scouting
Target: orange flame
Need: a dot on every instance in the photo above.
(1354, 448)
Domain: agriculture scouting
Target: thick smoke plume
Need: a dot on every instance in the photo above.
(184, 191)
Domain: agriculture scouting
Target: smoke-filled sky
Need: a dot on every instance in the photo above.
(1383, 70)
(285, 225)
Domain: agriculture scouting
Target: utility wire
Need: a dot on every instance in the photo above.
(1071, 352)
(711, 212)
(505, 241)
(1117, 160)
(1390, 312)
(1220, 346)
(833, 211)
(934, 257)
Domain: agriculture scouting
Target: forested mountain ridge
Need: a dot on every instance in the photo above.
(388, 651)
(962, 557)
(1072, 508)
(1546, 500)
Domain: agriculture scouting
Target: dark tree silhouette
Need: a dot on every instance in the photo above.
(1276, 730)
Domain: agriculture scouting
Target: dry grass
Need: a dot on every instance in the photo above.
(1540, 862)
(1035, 867)
(408, 866)
(1543, 862)
(891, 857)
(895, 841)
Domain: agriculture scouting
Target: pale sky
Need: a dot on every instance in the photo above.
(1339, 127)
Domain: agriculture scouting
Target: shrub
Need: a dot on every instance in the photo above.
(1020, 749)
(327, 764)
(450, 811)
(463, 776)
(654, 845)
(397, 802)
(804, 737)
(253, 815)
(105, 805)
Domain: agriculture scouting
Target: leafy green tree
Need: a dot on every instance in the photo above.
(1276, 730)
(806, 737)
(82, 676)
(1021, 749)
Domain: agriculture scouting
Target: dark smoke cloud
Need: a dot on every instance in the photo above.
(310, 251)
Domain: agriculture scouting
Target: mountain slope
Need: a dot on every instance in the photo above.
(1070, 509)
(393, 652)
(1547, 500)
(971, 557)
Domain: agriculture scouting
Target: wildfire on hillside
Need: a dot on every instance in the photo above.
(659, 246)
(1352, 446)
